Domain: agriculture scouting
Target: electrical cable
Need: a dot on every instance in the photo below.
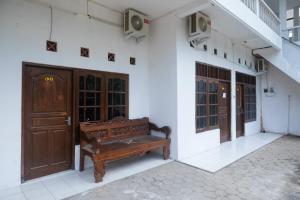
(51, 23)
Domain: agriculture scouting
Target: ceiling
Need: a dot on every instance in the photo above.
(227, 25)
(153, 8)
(222, 22)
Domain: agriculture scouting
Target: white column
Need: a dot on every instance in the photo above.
(282, 16)
(233, 105)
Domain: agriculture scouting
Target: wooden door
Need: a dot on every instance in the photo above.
(240, 118)
(224, 111)
(47, 112)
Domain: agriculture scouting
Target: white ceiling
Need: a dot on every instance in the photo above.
(153, 8)
(227, 25)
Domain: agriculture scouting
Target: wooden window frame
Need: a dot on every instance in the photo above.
(209, 74)
(208, 127)
(247, 81)
(248, 86)
(104, 98)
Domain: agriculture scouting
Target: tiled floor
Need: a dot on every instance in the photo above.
(70, 183)
(271, 173)
(229, 152)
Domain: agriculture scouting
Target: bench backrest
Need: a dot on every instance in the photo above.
(117, 129)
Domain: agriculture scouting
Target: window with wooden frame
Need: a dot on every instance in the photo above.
(207, 87)
(249, 83)
(250, 103)
(100, 96)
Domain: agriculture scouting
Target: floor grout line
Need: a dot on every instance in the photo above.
(48, 190)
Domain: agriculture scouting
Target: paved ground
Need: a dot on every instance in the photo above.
(270, 173)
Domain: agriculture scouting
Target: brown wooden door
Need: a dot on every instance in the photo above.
(47, 111)
(224, 111)
(240, 118)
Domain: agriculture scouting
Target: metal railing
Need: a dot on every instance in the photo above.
(265, 13)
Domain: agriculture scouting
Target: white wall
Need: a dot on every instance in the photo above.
(276, 108)
(190, 143)
(162, 76)
(24, 31)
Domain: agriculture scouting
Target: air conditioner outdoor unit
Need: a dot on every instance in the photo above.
(199, 27)
(261, 65)
(136, 24)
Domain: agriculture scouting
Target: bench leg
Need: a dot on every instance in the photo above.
(81, 166)
(166, 151)
(99, 171)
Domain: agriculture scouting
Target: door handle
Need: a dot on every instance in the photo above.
(69, 121)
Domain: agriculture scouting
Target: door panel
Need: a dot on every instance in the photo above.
(224, 111)
(240, 118)
(47, 104)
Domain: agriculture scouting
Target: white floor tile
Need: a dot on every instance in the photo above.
(37, 194)
(229, 152)
(19, 196)
(58, 188)
(26, 187)
(63, 185)
(10, 192)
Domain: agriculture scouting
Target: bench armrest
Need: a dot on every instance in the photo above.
(166, 130)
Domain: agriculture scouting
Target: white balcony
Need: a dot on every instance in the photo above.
(258, 18)
(265, 13)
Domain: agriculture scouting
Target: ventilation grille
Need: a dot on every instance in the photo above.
(193, 23)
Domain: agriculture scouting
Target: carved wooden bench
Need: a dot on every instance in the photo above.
(118, 139)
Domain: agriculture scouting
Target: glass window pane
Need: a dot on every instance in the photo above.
(201, 111)
(81, 99)
(98, 84)
(123, 86)
(213, 110)
(90, 99)
(213, 99)
(213, 87)
(98, 114)
(117, 99)
(110, 113)
(213, 120)
(81, 115)
(81, 82)
(201, 123)
(90, 82)
(201, 98)
(123, 99)
(89, 114)
(117, 85)
(98, 99)
(110, 84)
(110, 98)
(201, 86)
(119, 112)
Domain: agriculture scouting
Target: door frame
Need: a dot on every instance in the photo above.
(74, 87)
(228, 109)
(243, 105)
(23, 130)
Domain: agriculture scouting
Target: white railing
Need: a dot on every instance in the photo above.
(251, 4)
(268, 16)
(265, 13)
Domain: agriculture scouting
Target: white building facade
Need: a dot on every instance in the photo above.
(162, 83)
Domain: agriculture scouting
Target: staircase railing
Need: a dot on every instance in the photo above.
(291, 41)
